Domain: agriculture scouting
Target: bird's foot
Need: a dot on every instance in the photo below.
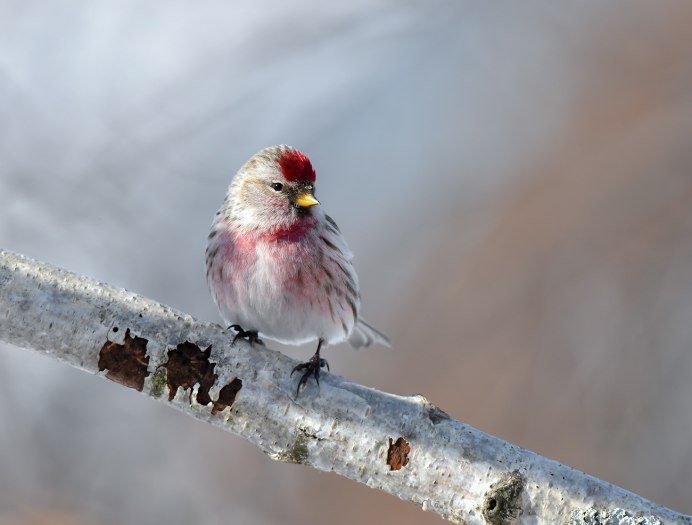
(312, 368)
(251, 335)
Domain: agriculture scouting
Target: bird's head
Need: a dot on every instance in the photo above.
(275, 189)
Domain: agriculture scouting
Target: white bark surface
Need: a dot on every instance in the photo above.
(403, 445)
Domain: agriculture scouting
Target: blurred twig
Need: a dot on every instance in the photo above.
(403, 445)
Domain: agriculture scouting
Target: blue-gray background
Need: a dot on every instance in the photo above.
(515, 180)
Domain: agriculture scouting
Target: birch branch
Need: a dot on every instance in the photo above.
(403, 445)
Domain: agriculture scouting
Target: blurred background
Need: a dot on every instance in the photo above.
(515, 180)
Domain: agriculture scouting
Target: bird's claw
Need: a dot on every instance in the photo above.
(312, 368)
(251, 335)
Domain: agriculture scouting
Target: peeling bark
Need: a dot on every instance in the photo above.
(443, 465)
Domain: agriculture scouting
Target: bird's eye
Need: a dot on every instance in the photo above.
(277, 186)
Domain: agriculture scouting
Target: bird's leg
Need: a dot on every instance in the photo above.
(250, 335)
(311, 367)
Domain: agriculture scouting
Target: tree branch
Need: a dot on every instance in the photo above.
(403, 445)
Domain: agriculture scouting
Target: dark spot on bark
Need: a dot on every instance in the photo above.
(397, 455)
(158, 382)
(502, 502)
(298, 452)
(126, 363)
(188, 365)
(207, 381)
(437, 415)
(227, 396)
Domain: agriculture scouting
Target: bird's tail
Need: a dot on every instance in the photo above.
(364, 335)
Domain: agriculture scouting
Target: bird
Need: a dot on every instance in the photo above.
(278, 266)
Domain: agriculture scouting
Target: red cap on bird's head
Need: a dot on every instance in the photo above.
(296, 166)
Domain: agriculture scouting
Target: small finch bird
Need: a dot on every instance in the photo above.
(278, 266)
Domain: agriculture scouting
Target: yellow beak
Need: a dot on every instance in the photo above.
(306, 200)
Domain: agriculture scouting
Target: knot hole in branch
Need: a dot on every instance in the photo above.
(502, 502)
